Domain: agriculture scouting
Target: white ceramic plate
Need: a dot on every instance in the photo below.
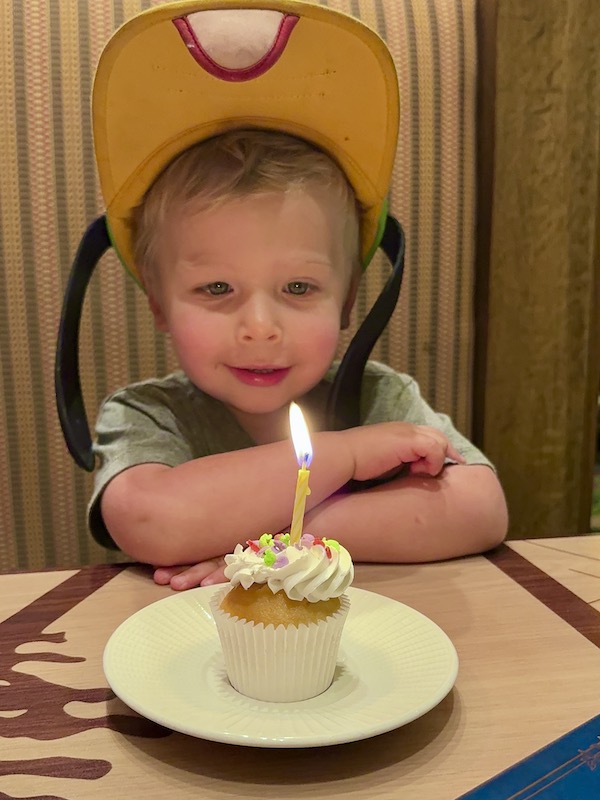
(165, 662)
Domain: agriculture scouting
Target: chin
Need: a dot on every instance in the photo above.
(258, 401)
(258, 409)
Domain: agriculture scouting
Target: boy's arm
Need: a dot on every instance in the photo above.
(203, 507)
(415, 519)
(409, 519)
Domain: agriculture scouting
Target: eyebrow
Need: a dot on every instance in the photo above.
(309, 258)
(204, 259)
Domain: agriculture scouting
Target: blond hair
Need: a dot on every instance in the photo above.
(233, 165)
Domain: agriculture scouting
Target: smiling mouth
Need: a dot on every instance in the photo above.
(260, 376)
(261, 370)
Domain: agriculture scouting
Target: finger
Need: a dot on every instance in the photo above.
(218, 576)
(430, 462)
(453, 454)
(425, 467)
(193, 576)
(429, 454)
(450, 451)
(163, 575)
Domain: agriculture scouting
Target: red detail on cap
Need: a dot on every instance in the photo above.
(252, 545)
(248, 73)
(328, 552)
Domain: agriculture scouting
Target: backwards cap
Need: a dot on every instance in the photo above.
(186, 71)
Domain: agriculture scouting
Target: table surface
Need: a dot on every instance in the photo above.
(524, 620)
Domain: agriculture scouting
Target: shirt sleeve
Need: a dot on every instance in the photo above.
(389, 396)
(132, 428)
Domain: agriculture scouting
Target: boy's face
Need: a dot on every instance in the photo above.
(252, 294)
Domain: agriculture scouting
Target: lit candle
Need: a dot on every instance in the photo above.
(304, 454)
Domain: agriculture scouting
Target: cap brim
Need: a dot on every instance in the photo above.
(333, 84)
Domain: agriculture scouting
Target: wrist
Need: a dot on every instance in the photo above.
(345, 445)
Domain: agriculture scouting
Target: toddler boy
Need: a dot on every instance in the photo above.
(250, 242)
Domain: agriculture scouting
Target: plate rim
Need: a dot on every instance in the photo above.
(284, 742)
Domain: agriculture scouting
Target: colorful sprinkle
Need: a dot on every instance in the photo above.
(272, 548)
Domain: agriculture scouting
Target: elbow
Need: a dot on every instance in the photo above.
(484, 522)
(134, 532)
(495, 532)
(136, 521)
(492, 525)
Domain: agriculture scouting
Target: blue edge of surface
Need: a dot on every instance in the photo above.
(566, 769)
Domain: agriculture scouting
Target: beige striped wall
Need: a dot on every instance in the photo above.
(49, 192)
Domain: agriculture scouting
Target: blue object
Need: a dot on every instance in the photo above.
(566, 769)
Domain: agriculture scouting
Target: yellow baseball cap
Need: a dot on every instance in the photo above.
(185, 71)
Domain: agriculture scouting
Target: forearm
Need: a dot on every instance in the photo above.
(203, 507)
(413, 519)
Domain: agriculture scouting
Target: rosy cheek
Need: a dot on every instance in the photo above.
(327, 338)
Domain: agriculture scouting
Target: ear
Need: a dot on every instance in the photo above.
(350, 299)
(160, 321)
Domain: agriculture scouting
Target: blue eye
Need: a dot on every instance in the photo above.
(298, 287)
(217, 288)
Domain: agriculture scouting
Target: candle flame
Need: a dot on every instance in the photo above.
(300, 436)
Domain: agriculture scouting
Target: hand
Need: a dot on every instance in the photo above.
(384, 447)
(206, 573)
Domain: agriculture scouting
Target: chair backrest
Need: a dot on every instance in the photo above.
(49, 193)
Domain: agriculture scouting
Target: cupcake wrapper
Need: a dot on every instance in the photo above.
(282, 664)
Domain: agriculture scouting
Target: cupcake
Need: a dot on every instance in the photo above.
(280, 621)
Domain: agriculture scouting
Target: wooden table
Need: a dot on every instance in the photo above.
(524, 621)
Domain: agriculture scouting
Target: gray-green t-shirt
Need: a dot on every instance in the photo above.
(169, 421)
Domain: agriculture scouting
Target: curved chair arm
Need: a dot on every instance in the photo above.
(343, 406)
(67, 383)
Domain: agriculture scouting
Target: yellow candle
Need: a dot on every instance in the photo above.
(303, 448)
(302, 490)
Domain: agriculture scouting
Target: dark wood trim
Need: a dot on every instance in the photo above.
(486, 24)
(591, 417)
(91, 568)
(568, 606)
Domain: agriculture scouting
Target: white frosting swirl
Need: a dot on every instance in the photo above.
(310, 573)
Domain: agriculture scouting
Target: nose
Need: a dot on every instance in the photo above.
(259, 320)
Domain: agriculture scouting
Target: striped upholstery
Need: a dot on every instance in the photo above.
(49, 192)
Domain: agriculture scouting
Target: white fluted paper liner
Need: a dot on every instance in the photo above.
(282, 664)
